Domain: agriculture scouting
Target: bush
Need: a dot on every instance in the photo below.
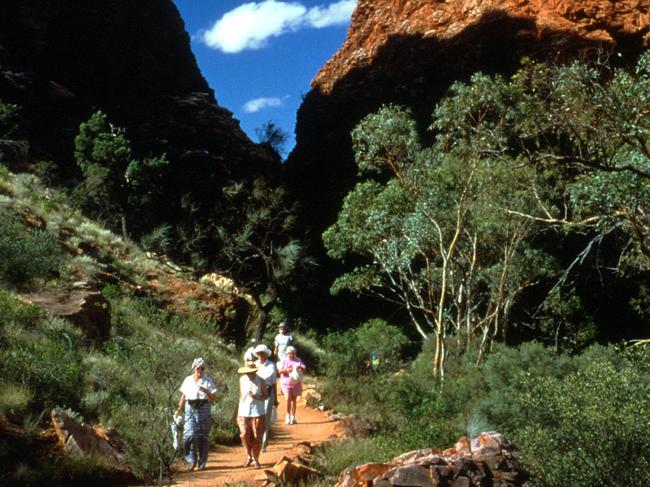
(26, 254)
(14, 401)
(591, 427)
(374, 346)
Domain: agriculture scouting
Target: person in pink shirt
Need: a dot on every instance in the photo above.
(291, 369)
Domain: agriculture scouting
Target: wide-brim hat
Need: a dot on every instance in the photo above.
(261, 348)
(247, 368)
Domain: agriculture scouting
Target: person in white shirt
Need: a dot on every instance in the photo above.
(269, 373)
(197, 392)
(282, 340)
(250, 413)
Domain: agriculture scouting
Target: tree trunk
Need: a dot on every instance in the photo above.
(263, 310)
(125, 234)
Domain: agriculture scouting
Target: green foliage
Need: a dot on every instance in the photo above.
(115, 183)
(451, 231)
(590, 427)
(11, 145)
(256, 246)
(43, 355)
(375, 346)
(27, 254)
(14, 401)
(438, 244)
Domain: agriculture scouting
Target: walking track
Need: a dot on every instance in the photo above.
(224, 463)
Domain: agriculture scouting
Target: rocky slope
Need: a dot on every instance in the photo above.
(409, 53)
(62, 60)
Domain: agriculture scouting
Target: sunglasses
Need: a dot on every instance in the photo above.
(200, 368)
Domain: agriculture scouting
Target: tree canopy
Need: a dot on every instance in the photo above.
(451, 230)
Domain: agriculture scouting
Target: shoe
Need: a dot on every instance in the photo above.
(287, 419)
(248, 462)
(293, 420)
(256, 464)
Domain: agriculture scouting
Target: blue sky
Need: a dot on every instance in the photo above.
(260, 56)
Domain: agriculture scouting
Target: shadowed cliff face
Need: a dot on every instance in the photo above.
(63, 60)
(409, 53)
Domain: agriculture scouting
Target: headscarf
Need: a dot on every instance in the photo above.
(197, 362)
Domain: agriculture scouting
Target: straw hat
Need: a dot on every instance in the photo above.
(247, 368)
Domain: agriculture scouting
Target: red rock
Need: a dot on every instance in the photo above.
(375, 21)
(80, 439)
(457, 467)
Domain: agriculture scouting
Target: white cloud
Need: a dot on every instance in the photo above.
(257, 104)
(251, 25)
(334, 14)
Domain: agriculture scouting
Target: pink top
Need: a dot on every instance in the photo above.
(287, 363)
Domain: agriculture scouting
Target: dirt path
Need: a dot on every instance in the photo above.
(224, 462)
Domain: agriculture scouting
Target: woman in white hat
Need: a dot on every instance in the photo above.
(250, 413)
(197, 392)
(267, 371)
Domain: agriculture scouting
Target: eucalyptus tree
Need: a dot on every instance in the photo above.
(427, 224)
(445, 228)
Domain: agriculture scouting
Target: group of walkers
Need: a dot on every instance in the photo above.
(258, 397)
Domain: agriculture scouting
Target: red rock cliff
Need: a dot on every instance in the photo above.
(409, 53)
(374, 21)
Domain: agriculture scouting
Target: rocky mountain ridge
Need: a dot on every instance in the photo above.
(61, 61)
(373, 23)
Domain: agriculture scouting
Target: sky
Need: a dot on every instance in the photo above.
(260, 56)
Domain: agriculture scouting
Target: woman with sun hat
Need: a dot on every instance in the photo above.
(253, 391)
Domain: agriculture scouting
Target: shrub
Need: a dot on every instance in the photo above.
(374, 346)
(26, 254)
(14, 401)
(591, 427)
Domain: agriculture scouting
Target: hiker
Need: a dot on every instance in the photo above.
(282, 340)
(291, 370)
(269, 373)
(250, 414)
(197, 392)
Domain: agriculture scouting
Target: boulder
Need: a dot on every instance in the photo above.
(287, 471)
(488, 460)
(80, 439)
(353, 426)
(80, 304)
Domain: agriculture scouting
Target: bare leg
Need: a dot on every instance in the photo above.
(245, 435)
(258, 432)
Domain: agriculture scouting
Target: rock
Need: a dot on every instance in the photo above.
(460, 466)
(80, 304)
(290, 471)
(363, 475)
(310, 396)
(80, 439)
(409, 475)
(417, 456)
(353, 426)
